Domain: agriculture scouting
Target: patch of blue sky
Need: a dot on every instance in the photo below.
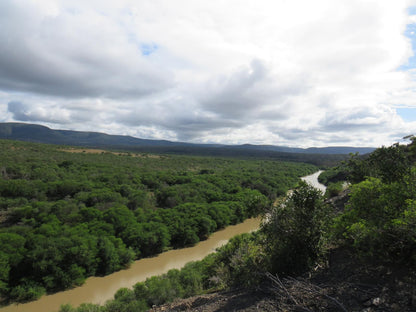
(407, 113)
(410, 33)
(411, 10)
(148, 48)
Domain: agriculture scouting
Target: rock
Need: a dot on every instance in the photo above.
(376, 301)
(413, 301)
(373, 302)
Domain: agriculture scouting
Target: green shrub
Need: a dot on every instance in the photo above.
(240, 263)
(380, 219)
(296, 231)
(334, 189)
(27, 291)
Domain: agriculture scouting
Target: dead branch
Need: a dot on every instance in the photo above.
(300, 292)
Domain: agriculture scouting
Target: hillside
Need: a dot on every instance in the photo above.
(66, 214)
(353, 251)
(344, 285)
(42, 134)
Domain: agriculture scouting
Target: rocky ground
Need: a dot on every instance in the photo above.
(345, 284)
(236, 300)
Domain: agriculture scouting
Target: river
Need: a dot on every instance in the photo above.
(313, 180)
(100, 289)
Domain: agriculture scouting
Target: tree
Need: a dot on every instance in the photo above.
(4, 274)
(295, 231)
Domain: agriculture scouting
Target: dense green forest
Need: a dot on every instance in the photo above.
(69, 214)
(40, 134)
(376, 226)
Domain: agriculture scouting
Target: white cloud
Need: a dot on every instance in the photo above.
(276, 72)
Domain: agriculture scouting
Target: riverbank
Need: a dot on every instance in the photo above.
(346, 284)
(100, 289)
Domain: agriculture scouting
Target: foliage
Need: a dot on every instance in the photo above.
(379, 221)
(295, 232)
(333, 175)
(387, 163)
(232, 264)
(380, 215)
(69, 215)
(334, 189)
(241, 262)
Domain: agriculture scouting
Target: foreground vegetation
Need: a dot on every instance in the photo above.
(377, 225)
(66, 216)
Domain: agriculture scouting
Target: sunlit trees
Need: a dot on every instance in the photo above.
(66, 216)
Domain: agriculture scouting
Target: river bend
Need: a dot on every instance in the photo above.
(100, 289)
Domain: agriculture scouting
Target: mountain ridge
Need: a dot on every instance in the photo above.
(42, 134)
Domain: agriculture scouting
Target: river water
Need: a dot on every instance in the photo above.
(100, 289)
(313, 180)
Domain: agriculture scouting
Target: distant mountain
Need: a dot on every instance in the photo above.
(311, 150)
(42, 134)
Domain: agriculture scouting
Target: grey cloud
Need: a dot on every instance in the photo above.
(188, 130)
(18, 110)
(24, 112)
(245, 97)
(252, 93)
(234, 96)
(67, 58)
(184, 117)
(352, 120)
(92, 66)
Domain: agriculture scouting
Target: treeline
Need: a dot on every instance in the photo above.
(66, 216)
(377, 225)
(216, 271)
(380, 218)
(288, 244)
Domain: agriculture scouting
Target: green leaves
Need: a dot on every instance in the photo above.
(296, 231)
(67, 216)
(379, 219)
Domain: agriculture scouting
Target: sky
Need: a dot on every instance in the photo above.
(282, 72)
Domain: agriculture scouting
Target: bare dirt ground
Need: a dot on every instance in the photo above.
(346, 284)
(101, 151)
(236, 300)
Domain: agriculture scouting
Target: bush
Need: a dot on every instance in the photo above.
(334, 189)
(240, 263)
(296, 231)
(27, 291)
(380, 220)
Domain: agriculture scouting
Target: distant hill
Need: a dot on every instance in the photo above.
(311, 150)
(42, 134)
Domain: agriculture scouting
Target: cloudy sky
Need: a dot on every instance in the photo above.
(282, 72)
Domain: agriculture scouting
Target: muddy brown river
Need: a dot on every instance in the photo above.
(100, 289)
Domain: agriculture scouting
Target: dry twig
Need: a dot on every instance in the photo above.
(300, 292)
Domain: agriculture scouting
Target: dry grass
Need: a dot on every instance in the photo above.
(101, 151)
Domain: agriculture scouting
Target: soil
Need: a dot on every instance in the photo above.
(101, 151)
(235, 300)
(345, 284)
